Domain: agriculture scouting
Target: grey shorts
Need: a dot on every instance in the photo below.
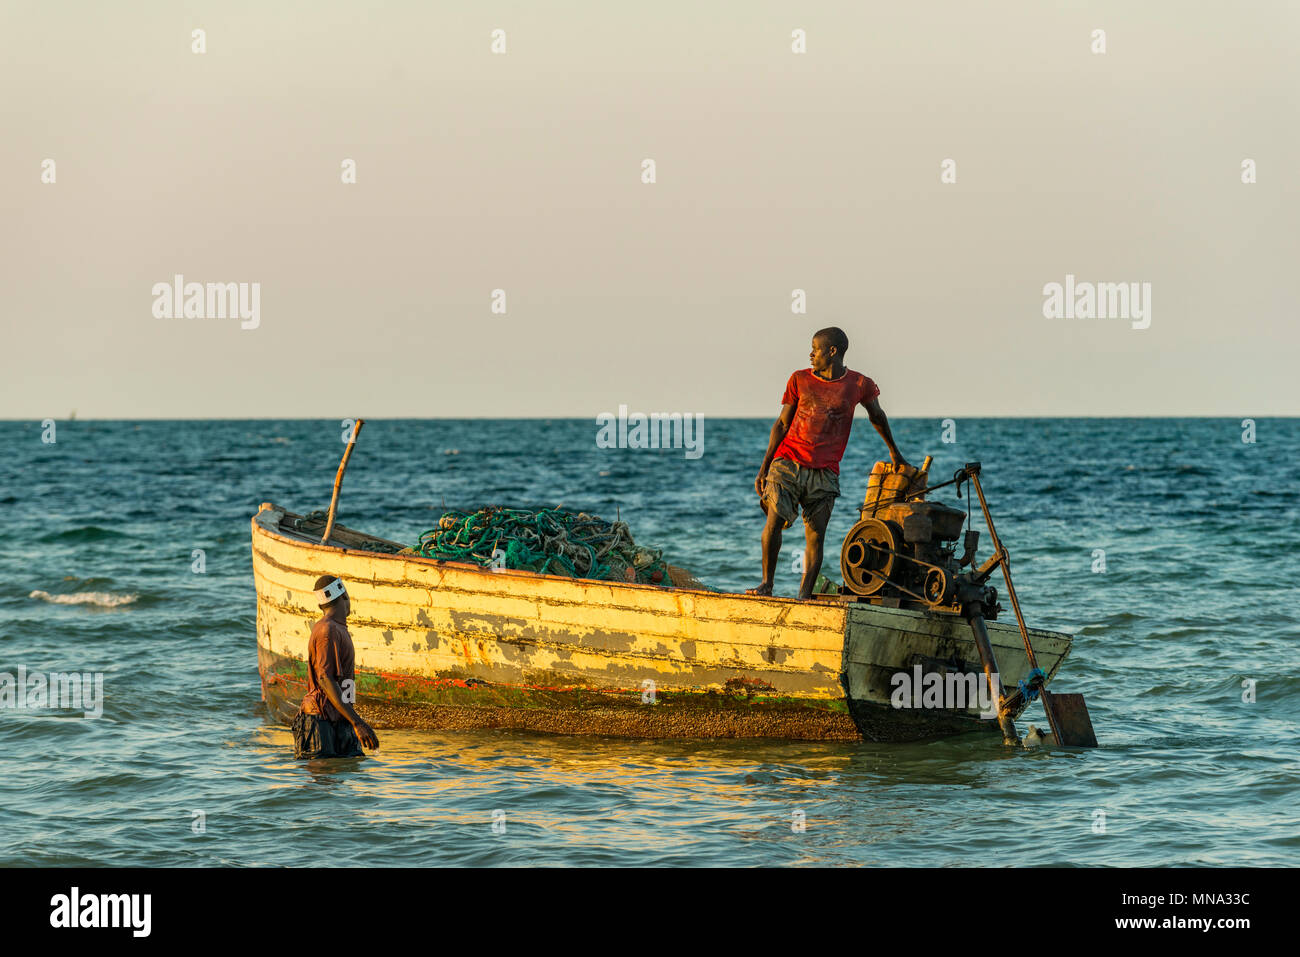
(791, 486)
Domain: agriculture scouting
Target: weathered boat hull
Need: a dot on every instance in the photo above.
(883, 642)
(448, 645)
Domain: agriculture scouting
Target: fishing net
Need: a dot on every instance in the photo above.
(551, 541)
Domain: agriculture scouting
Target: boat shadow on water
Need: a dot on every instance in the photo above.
(528, 760)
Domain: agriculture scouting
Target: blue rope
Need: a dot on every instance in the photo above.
(1028, 689)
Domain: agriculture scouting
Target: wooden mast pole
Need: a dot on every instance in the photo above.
(338, 480)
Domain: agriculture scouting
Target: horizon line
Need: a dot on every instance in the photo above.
(589, 418)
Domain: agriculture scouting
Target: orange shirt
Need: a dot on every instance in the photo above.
(823, 417)
(329, 654)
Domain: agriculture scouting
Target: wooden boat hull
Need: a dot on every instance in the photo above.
(448, 645)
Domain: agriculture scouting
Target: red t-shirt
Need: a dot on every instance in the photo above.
(329, 655)
(823, 417)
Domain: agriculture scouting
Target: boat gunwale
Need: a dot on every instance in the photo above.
(838, 601)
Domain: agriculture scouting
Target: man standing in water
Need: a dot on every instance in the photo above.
(802, 464)
(327, 725)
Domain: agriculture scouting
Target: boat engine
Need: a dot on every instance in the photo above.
(903, 553)
(903, 549)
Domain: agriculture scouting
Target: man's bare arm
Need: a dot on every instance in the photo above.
(881, 423)
(779, 428)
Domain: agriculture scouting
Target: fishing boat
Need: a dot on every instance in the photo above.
(454, 645)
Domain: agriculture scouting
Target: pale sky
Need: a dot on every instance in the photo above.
(775, 171)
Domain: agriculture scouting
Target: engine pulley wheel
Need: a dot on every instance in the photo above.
(867, 558)
(936, 586)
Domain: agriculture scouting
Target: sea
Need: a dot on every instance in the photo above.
(1169, 547)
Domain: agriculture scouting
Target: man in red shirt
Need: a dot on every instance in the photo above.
(327, 724)
(802, 464)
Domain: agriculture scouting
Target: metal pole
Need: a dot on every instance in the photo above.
(1001, 553)
(985, 647)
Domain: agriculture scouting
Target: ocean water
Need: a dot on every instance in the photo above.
(1200, 534)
